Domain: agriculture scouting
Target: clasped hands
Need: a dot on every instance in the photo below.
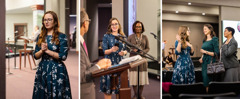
(44, 47)
(115, 48)
(104, 63)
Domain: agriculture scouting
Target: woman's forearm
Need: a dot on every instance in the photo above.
(107, 52)
(179, 47)
(39, 54)
(52, 53)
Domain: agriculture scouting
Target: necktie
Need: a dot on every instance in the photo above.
(85, 47)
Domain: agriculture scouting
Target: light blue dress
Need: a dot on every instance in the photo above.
(51, 79)
(183, 72)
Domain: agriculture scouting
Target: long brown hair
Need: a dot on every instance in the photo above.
(109, 29)
(182, 32)
(212, 33)
(56, 31)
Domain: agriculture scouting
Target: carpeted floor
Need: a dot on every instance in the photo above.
(19, 84)
(151, 91)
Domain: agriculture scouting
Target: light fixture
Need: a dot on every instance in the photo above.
(177, 12)
(189, 3)
(203, 14)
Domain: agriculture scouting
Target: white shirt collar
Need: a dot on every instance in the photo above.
(81, 39)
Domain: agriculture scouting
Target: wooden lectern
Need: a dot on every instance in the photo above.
(125, 90)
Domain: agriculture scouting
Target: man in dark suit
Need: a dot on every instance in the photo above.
(87, 85)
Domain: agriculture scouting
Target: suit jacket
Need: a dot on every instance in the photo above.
(229, 54)
(87, 84)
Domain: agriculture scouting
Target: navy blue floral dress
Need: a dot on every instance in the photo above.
(183, 72)
(51, 79)
(105, 82)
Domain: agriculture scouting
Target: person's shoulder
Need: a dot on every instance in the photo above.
(62, 35)
(215, 38)
(132, 35)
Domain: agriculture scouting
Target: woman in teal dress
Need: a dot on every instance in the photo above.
(51, 79)
(113, 50)
(183, 72)
(210, 48)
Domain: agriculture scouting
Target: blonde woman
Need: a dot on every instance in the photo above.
(184, 69)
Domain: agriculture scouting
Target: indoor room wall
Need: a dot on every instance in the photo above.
(147, 12)
(170, 29)
(18, 18)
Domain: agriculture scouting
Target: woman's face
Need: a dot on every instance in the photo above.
(138, 28)
(227, 33)
(114, 26)
(48, 21)
(206, 30)
(188, 32)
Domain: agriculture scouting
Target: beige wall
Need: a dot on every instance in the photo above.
(170, 29)
(147, 12)
(58, 6)
(117, 11)
(18, 18)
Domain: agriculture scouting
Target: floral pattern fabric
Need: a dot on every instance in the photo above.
(51, 79)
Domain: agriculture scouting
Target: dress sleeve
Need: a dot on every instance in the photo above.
(63, 43)
(215, 46)
(104, 43)
(37, 48)
(176, 44)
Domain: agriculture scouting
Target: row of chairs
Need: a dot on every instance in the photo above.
(215, 89)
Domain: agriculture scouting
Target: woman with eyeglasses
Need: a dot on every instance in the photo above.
(113, 50)
(141, 41)
(51, 79)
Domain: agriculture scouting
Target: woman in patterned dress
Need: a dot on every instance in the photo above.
(113, 50)
(183, 72)
(51, 80)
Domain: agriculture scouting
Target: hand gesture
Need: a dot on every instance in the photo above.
(178, 38)
(200, 60)
(114, 48)
(135, 50)
(203, 51)
(44, 46)
(121, 53)
(188, 44)
(104, 63)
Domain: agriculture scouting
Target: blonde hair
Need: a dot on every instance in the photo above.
(182, 32)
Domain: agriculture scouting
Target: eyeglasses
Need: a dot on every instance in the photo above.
(138, 26)
(116, 24)
(89, 20)
(48, 20)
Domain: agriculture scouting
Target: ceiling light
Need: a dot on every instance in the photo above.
(189, 3)
(176, 11)
(203, 14)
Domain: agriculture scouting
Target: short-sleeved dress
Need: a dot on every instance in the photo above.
(51, 79)
(183, 72)
(105, 81)
(211, 46)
